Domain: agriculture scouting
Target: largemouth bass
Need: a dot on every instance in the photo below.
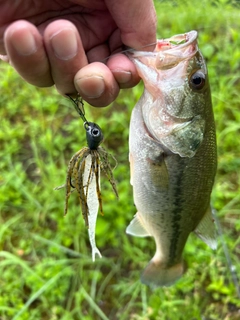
(172, 154)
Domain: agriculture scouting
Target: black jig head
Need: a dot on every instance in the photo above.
(94, 135)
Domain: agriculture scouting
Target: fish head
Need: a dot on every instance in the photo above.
(177, 93)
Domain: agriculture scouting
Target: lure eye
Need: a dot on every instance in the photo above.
(94, 135)
(197, 80)
(95, 132)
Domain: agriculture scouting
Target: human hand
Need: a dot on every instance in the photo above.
(66, 43)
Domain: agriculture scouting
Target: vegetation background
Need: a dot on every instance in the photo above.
(46, 270)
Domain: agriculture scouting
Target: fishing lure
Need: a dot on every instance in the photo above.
(83, 175)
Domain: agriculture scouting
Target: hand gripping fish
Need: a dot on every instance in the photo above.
(172, 154)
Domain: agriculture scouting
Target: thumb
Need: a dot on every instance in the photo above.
(136, 20)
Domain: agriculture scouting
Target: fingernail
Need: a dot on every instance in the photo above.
(122, 76)
(66, 49)
(91, 86)
(24, 42)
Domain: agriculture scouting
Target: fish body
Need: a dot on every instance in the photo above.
(172, 154)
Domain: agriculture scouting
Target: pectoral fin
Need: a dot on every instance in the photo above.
(206, 229)
(136, 228)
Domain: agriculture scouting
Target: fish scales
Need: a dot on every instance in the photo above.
(172, 154)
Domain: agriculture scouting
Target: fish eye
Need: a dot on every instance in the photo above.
(197, 80)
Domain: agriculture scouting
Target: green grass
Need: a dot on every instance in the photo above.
(46, 270)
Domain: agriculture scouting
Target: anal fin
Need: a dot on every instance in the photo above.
(206, 229)
(136, 228)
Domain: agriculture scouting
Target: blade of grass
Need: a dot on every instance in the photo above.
(12, 259)
(38, 293)
(7, 224)
(231, 267)
(93, 304)
(60, 247)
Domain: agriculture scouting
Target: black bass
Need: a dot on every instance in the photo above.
(173, 155)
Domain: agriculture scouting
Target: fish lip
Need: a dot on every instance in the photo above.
(168, 44)
(170, 49)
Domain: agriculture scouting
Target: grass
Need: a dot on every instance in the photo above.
(46, 270)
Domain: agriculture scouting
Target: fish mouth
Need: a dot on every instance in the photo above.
(178, 41)
(169, 52)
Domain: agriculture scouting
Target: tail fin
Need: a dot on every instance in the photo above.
(158, 275)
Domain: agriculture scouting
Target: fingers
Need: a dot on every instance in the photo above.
(136, 21)
(99, 84)
(96, 84)
(54, 58)
(123, 70)
(66, 54)
(25, 50)
(58, 56)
